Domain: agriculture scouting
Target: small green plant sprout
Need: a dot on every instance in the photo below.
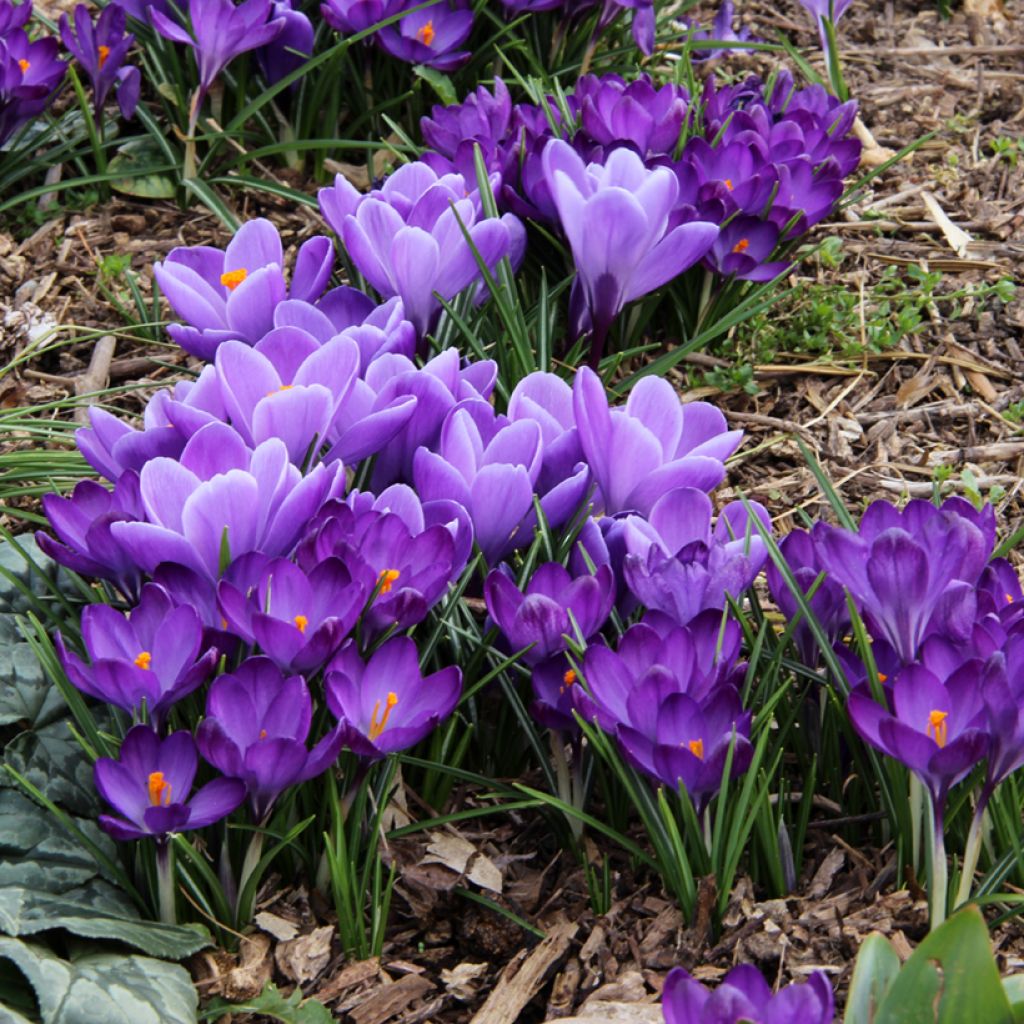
(1007, 149)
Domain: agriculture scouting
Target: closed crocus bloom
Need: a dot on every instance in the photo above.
(149, 784)
(431, 36)
(744, 997)
(652, 445)
(101, 50)
(743, 248)
(149, 660)
(292, 48)
(551, 610)
(616, 218)
(386, 703)
(233, 294)
(256, 728)
(351, 16)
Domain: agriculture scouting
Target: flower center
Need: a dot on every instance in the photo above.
(728, 183)
(104, 52)
(263, 734)
(569, 679)
(144, 659)
(376, 728)
(24, 65)
(937, 726)
(742, 245)
(233, 278)
(882, 677)
(697, 748)
(387, 577)
(301, 622)
(426, 34)
(1009, 598)
(159, 790)
(281, 387)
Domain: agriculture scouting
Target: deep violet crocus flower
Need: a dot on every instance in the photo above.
(151, 659)
(554, 609)
(742, 248)
(291, 49)
(653, 444)
(256, 728)
(101, 50)
(30, 72)
(297, 619)
(352, 16)
(616, 218)
(149, 783)
(744, 997)
(387, 704)
(234, 293)
(431, 36)
(721, 32)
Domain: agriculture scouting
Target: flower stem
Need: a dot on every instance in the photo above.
(565, 786)
(972, 849)
(165, 881)
(249, 865)
(916, 800)
(938, 882)
(598, 337)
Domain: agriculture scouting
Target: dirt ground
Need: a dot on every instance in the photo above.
(881, 424)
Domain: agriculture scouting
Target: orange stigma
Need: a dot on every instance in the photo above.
(387, 577)
(882, 677)
(937, 726)
(24, 65)
(426, 34)
(233, 278)
(159, 790)
(104, 52)
(376, 728)
(1009, 598)
(728, 183)
(569, 678)
(263, 734)
(281, 387)
(301, 622)
(742, 245)
(697, 749)
(144, 659)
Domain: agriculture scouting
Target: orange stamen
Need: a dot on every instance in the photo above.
(104, 52)
(159, 790)
(376, 728)
(144, 659)
(387, 577)
(882, 677)
(569, 678)
(24, 65)
(742, 245)
(1009, 598)
(728, 184)
(233, 278)
(426, 34)
(697, 748)
(937, 726)
(302, 622)
(263, 734)
(282, 387)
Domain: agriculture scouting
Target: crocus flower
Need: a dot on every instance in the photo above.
(233, 293)
(721, 32)
(431, 36)
(554, 607)
(652, 445)
(616, 218)
(289, 50)
(387, 704)
(643, 21)
(256, 728)
(553, 703)
(222, 500)
(148, 660)
(822, 10)
(30, 72)
(744, 997)
(149, 783)
(101, 51)
(297, 619)
(742, 249)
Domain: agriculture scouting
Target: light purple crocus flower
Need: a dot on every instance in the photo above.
(256, 728)
(387, 704)
(650, 446)
(148, 660)
(431, 36)
(149, 783)
(101, 51)
(616, 218)
(233, 294)
(744, 997)
(721, 32)
(822, 11)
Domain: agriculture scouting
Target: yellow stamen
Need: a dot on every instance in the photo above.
(742, 245)
(104, 52)
(376, 728)
(302, 622)
(24, 65)
(233, 278)
(426, 34)
(223, 623)
(387, 577)
(697, 748)
(728, 184)
(1009, 598)
(144, 659)
(263, 734)
(282, 387)
(937, 726)
(882, 677)
(569, 678)
(159, 790)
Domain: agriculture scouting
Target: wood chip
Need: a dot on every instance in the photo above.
(390, 1000)
(957, 238)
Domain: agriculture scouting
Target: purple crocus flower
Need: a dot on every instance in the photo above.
(289, 50)
(149, 783)
(742, 249)
(101, 51)
(82, 524)
(256, 727)
(221, 30)
(555, 606)
(234, 293)
(721, 32)
(14, 15)
(297, 619)
(30, 72)
(652, 445)
(616, 218)
(822, 11)
(223, 500)
(352, 16)
(743, 997)
(431, 36)
(553, 682)
(643, 21)
(385, 702)
(148, 660)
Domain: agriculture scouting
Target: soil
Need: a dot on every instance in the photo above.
(880, 424)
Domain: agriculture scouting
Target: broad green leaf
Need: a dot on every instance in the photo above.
(876, 967)
(1013, 986)
(17, 575)
(439, 82)
(132, 163)
(104, 988)
(53, 761)
(26, 695)
(952, 978)
(270, 1002)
